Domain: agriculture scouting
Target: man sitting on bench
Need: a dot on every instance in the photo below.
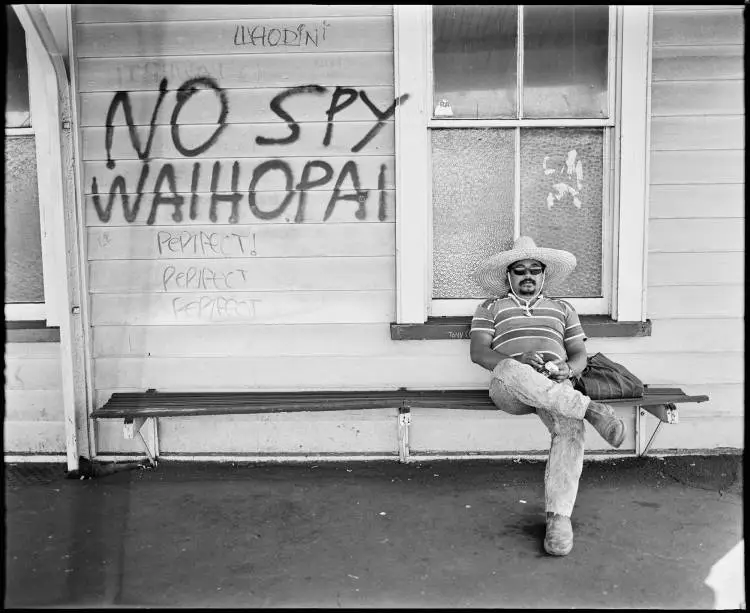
(533, 345)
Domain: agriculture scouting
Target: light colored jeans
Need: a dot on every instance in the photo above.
(518, 389)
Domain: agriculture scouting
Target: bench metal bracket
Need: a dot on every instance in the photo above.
(665, 413)
(133, 428)
(404, 421)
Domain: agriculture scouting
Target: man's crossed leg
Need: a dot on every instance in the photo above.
(518, 389)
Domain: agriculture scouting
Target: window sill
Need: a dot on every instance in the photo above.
(456, 328)
(30, 332)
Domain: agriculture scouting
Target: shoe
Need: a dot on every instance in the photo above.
(606, 423)
(558, 541)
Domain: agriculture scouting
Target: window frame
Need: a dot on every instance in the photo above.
(43, 100)
(625, 251)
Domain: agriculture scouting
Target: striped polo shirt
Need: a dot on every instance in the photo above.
(547, 325)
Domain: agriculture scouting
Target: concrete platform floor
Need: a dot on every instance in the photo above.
(440, 534)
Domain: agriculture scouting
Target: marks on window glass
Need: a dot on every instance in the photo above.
(565, 174)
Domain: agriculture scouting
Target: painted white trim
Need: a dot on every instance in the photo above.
(517, 183)
(26, 311)
(86, 426)
(73, 377)
(647, 156)
(612, 64)
(520, 49)
(43, 103)
(40, 458)
(624, 236)
(634, 158)
(20, 131)
(413, 180)
(608, 203)
(524, 123)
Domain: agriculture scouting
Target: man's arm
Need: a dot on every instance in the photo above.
(576, 362)
(481, 351)
(483, 354)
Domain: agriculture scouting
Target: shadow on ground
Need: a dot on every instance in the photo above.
(356, 534)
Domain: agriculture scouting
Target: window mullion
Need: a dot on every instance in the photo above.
(519, 114)
(565, 122)
(612, 62)
(517, 185)
(412, 36)
(519, 64)
(608, 182)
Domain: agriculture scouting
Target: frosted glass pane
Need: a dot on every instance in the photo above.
(472, 195)
(474, 61)
(17, 113)
(565, 61)
(561, 199)
(23, 246)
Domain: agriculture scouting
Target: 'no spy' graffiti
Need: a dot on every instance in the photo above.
(315, 173)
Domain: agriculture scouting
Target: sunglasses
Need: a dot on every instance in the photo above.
(520, 271)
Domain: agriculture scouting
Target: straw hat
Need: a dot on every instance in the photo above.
(492, 275)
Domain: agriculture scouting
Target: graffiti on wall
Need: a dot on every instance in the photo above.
(264, 36)
(316, 173)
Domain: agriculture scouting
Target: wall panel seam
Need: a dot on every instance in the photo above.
(657, 79)
(230, 55)
(670, 218)
(712, 45)
(738, 113)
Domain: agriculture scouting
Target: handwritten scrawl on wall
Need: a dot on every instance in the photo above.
(315, 173)
(202, 146)
(264, 36)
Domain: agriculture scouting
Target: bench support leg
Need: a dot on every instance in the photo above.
(665, 413)
(404, 420)
(651, 440)
(133, 428)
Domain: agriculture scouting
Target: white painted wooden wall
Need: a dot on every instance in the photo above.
(697, 219)
(34, 421)
(314, 307)
(288, 303)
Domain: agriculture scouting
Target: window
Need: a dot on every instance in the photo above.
(24, 285)
(29, 293)
(517, 127)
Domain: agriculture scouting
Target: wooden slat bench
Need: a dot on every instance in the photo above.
(137, 408)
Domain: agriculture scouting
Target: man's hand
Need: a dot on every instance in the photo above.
(563, 372)
(533, 359)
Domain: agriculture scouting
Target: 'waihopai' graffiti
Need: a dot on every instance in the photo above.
(315, 173)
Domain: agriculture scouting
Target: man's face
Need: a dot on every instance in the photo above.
(526, 278)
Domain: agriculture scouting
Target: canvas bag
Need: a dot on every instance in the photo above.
(604, 379)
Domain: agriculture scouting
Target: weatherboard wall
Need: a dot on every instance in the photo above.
(254, 248)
